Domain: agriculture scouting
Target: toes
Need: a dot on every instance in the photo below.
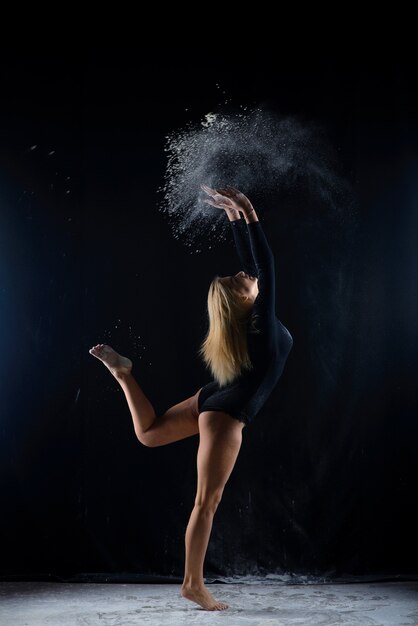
(95, 349)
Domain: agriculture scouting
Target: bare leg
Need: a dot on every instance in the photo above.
(142, 411)
(178, 422)
(220, 442)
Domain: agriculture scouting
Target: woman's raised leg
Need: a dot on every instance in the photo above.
(220, 442)
(178, 422)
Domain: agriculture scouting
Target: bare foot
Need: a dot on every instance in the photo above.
(117, 364)
(201, 596)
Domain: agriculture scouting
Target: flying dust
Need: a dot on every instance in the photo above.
(260, 152)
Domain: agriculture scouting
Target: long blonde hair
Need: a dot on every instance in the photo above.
(225, 349)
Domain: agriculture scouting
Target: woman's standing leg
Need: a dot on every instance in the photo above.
(220, 442)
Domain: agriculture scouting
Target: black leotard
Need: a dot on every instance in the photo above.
(268, 350)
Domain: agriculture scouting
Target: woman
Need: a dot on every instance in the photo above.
(246, 348)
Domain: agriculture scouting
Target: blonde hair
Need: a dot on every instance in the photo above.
(225, 349)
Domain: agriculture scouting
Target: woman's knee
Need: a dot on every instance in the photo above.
(208, 502)
(150, 440)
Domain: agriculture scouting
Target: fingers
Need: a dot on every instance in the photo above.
(224, 197)
(224, 191)
(208, 190)
(234, 190)
(229, 191)
(218, 205)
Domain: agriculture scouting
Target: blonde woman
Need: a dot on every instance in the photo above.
(245, 349)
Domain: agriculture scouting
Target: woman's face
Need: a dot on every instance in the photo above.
(244, 284)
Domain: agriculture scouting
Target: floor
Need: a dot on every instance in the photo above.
(88, 604)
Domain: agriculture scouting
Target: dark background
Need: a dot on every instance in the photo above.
(325, 483)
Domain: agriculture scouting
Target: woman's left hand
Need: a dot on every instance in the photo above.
(229, 198)
(218, 200)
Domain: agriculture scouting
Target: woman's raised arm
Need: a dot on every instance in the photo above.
(233, 199)
(239, 230)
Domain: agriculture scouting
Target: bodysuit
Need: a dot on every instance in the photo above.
(268, 349)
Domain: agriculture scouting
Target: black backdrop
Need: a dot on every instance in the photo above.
(325, 481)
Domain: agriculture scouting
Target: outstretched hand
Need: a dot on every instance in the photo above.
(228, 198)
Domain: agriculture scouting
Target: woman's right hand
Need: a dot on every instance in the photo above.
(218, 200)
(228, 198)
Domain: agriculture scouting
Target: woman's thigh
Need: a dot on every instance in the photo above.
(178, 422)
(220, 442)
